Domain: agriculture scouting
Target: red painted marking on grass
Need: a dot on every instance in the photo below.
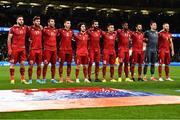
(87, 103)
(51, 90)
(21, 100)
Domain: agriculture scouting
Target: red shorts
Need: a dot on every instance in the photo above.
(65, 56)
(18, 56)
(138, 57)
(82, 59)
(50, 56)
(123, 56)
(35, 56)
(109, 57)
(164, 57)
(94, 55)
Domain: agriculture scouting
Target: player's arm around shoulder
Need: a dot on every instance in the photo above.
(10, 36)
(171, 45)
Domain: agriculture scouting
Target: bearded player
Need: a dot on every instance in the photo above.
(94, 49)
(165, 44)
(137, 51)
(49, 35)
(16, 48)
(35, 48)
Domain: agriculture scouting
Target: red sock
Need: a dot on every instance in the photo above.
(38, 72)
(104, 71)
(85, 72)
(160, 70)
(30, 73)
(60, 70)
(139, 71)
(120, 70)
(77, 73)
(132, 70)
(12, 73)
(97, 70)
(44, 71)
(112, 72)
(89, 70)
(167, 71)
(126, 69)
(53, 71)
(68, 69)
(22, 70)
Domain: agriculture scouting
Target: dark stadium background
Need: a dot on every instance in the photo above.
(105, 11)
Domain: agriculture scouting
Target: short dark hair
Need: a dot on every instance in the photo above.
(66, 20)
(93, 21)
(109, 24)
(152, 22)
(19, 16)
(36, 18)
(80, 24)
(50, 19)
(124, 22)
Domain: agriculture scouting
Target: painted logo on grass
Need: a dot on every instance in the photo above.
(67, 93)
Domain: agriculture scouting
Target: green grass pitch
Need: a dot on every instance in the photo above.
(136, 112)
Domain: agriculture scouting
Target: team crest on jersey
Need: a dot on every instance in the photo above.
(111, 37)
(21, 32)
(67, 34)
(37, 32)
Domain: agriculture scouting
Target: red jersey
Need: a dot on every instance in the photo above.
(137, 41)
(109, 40)
(82, 43)
(164, 40)
(94, 38)
(35, 34)
(50, 35)
(19, 34)
(123, 37)
(66, 38)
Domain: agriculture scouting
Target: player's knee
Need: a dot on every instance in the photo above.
(12, 66)
(22, 64)
(31, 62)
(166, 64)
(111, 65)
(97, 64)
(120, 61)
(152, 64)
(12, 61)
(104, 62)
(90, 63)
(61, 64)
(68, 63)
(59, 59)
(85, 66)
(38, 65)
(46, 62)
(146, 64)
(53, 65)
(78, 67)
(160, 63)
(120, 64)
